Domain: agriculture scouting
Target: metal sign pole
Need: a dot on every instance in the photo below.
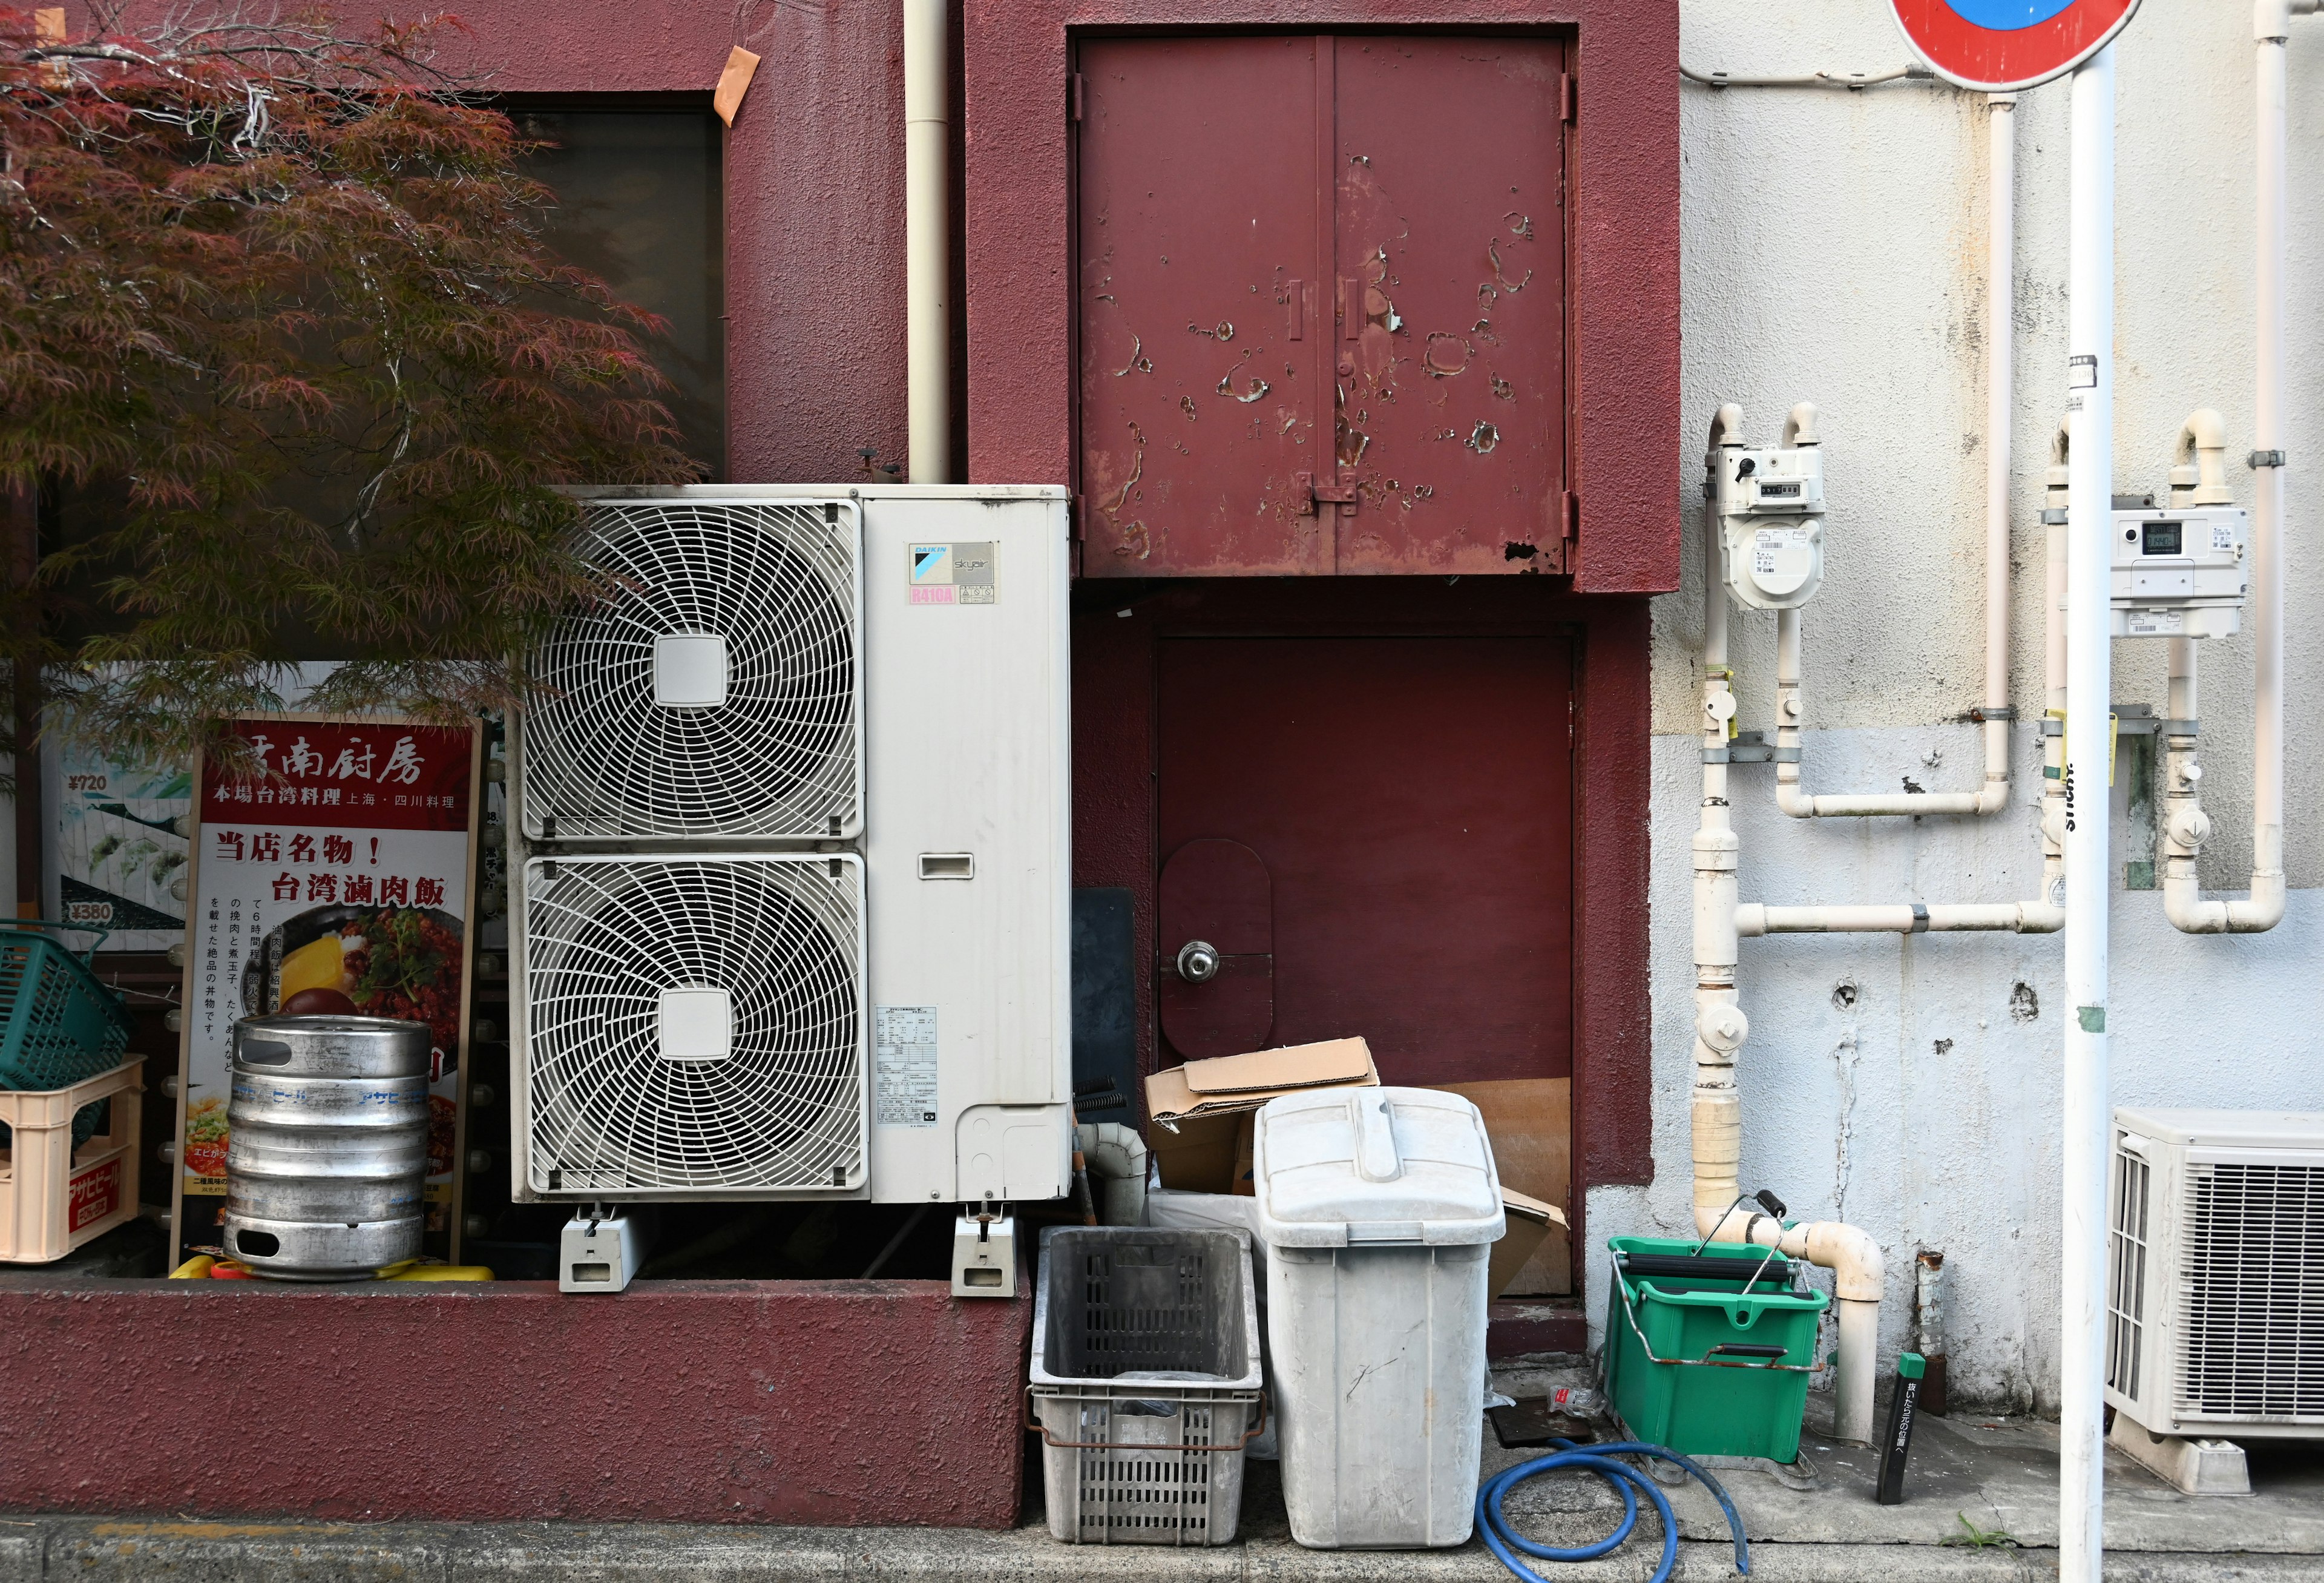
(2088, 727)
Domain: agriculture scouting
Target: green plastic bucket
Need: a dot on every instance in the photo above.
(1685, 1362)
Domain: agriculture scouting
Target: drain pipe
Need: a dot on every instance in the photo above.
(1721, 1028)
(2089, 345)
(927, 241)
(2000, 317)
(2187, 824)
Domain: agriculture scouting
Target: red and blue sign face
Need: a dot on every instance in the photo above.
(1999, 46)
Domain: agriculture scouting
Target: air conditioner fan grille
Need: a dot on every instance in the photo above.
(608, 1110)
(781, 756)
(2252, 1294)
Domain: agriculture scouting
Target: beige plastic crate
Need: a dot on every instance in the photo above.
(54, 1197)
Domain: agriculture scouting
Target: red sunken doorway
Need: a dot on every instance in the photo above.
(1379, 832)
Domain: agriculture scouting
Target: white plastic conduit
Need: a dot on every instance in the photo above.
(928, 242)
(1720, 1029)
(2185, 825)
(2000, 316)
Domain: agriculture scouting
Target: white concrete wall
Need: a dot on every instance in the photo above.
(1834, 250)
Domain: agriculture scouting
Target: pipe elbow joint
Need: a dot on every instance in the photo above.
(1792, 801)
(1800, 425)
(1858, 1270)
(2039, 918)
(1727, 425)
(2205, 433)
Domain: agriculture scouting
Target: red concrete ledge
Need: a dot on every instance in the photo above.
(845, 1402)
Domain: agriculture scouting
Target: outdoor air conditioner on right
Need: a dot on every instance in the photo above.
(789, 905)
(2215, 1273)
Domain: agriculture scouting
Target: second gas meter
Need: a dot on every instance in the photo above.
(1769, 508)
(2178, 573)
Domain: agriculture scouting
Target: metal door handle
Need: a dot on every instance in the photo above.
(1198, 961)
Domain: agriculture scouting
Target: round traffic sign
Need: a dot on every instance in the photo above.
(1998, 46)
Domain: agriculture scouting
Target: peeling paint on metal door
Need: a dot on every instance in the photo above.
(1322, 305)
(1200, 244)
(1451, 420)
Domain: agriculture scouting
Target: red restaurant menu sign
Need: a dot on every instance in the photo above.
(334, 879)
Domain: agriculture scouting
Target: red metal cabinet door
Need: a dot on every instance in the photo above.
(1411, 799)
(1200, 251)
(1451, 238)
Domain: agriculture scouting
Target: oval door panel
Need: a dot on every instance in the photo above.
(1216, 892)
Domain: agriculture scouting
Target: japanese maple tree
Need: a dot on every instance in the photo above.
(281, 287)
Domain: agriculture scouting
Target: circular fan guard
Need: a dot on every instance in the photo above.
(781, 756)
(784, 1110)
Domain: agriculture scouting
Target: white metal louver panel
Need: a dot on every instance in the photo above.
(2126, 1250)
(694, 1027)
(2251, 1293)
(718, 693)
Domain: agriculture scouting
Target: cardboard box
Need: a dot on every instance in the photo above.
(1201, 1112)
(1530, 1221)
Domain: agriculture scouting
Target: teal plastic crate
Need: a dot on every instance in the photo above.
(1688, 1360)
(59, 1025)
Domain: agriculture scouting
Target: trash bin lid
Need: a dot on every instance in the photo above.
(1353, 1167)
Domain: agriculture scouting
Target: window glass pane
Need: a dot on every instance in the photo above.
(638, 205)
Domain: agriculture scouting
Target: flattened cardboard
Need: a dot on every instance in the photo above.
(1530, 1222)
(1201, 1112)
(1527, 1120)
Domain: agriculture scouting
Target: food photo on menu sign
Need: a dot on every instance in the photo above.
(331, 876)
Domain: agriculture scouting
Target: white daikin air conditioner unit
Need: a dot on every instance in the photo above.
(2214, 1280)
(790, 904)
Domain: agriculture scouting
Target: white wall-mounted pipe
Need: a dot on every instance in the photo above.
(1721, 1027)
(2089, 345)
(2000, 391)
(2185, 825)
(1753, 919)
(1911, 71)
(927, 241)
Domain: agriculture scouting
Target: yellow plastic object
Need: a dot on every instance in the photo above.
(437, 1273)
(197, 1268)
(316, 965)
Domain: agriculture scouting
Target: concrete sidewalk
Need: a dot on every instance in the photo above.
(1982, 1504)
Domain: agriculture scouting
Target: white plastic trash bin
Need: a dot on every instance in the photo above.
(1379, 1209)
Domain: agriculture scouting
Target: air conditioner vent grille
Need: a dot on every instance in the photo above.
(717, 692)
(2252, 1292)
(2126, 1272)
(620, 1099)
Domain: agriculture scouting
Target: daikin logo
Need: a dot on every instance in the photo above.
(929, 563)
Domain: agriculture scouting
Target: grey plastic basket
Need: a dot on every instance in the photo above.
(1126, 1457)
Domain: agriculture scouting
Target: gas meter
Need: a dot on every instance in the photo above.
(1770, 509)
(2178, 572)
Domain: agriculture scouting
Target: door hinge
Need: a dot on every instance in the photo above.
(1572, 515)
(1076, 96)
(1077, 518)
(1312, 494)
(1567, 95)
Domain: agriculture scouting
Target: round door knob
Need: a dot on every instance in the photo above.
(1198, 961)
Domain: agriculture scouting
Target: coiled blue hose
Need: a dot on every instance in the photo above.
(1627, 1480)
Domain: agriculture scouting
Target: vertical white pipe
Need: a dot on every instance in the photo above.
(2088, 684)
(2000, 333)
(927, 241)
(2273, 22)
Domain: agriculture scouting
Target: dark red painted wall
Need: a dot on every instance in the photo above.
(841, 1403)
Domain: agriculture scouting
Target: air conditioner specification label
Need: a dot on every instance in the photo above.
(904, 1063)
